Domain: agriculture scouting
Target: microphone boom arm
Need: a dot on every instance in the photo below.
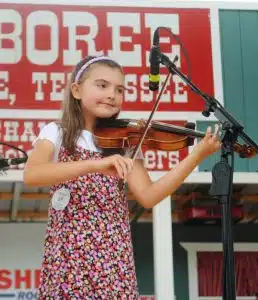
(212, 105)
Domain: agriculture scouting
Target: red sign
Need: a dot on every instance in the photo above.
(25, 280)
(18, 279)
(40, 44)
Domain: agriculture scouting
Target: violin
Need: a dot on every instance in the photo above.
(125, 133)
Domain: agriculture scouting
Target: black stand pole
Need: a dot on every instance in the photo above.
(222, 186)
(222, 174)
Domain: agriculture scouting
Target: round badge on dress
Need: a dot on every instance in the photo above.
(60, 199)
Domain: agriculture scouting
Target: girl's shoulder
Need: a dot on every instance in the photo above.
(50, 129)
(51, 132)
(54, 133)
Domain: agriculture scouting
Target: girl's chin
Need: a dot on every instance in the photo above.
(107, 113)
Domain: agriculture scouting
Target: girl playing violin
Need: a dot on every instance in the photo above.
(88, 249)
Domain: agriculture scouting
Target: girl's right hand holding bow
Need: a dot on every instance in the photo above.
(116, 165)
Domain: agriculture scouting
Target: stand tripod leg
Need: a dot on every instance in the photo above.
(222, 187)
(228, 252)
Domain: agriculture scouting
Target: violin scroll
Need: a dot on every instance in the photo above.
(244, 151)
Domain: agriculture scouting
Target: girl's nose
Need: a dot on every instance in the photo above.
(111, 93)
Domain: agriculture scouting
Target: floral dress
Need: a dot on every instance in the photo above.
(88, 248)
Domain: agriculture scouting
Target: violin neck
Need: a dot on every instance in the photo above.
(165, 127)
(177, 129)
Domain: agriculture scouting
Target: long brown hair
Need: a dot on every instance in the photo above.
(73, 121)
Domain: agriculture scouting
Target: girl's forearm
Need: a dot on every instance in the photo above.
(47, 174)
(170, 182)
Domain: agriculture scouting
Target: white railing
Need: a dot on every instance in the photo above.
(220, 298)
(150, 297)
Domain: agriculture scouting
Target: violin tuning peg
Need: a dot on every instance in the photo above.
(190, 125)
(190, 141)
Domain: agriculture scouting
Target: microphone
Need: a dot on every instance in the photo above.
(154, 62)
(6, 162)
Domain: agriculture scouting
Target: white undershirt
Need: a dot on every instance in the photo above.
(53, 133)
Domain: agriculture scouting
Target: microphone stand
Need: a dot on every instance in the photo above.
(222, 173)
(5, 163)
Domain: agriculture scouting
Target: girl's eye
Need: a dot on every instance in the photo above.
(120, 91)
(102, 85)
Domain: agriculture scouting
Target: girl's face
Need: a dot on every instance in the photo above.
(101, 92)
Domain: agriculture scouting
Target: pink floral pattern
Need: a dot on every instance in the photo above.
(88, 249)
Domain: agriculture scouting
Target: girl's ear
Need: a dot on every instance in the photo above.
(76, 90)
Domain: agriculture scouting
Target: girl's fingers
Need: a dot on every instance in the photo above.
(127, 164)
(214, 135)
(208, 132)
(122, 167)
(141, 123)
(216, 131)
(119, 169)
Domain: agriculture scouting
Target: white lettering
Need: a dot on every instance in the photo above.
(37, 19)
(153, 21)
(131, 58)
(11, 55)
(28, 134)
(146, 94)
(72, 20)
(160, 156)
(161, 159)
(4, 91)
(180, 95)
(173, 159)
(58, 81)
(131, 88)
(11, 131)
(39, 78)
(150, 159)
(137, 89)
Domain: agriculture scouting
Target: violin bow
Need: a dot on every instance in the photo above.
(148, 123)
(136, 149)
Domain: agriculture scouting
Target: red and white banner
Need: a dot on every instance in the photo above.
(23, 284)
(40, 44)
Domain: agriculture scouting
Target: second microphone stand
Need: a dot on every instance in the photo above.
(222, 174)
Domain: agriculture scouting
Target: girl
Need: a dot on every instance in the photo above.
(88, 248)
